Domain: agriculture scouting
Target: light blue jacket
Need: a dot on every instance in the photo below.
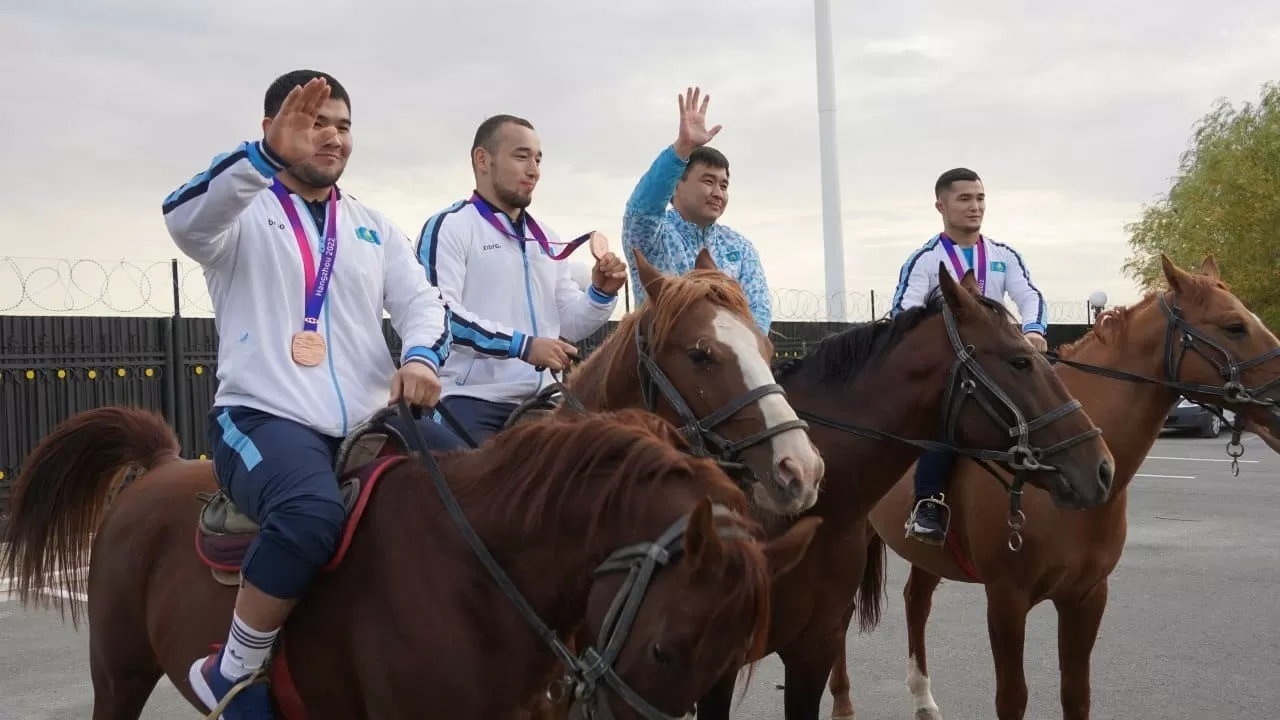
(671, 244)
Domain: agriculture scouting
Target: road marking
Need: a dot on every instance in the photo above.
(1169, 477)
(1225, 460)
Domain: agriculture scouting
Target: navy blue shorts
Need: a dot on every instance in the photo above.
(280, 474)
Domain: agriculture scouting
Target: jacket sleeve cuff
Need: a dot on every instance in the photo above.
(264, 159)
(519, 345)
(669, 155)
(1038, 328)
(599, 297)
(425, 355)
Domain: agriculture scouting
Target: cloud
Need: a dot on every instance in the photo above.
(1074, 114)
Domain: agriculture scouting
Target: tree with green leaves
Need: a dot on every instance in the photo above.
(1225, 200)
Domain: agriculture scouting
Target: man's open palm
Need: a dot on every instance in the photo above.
(293, 134)
(693, 120)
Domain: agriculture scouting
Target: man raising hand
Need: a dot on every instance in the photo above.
(694, 178)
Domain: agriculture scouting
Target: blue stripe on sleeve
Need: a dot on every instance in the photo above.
(198, 185)
(904, 276)
(428, 237)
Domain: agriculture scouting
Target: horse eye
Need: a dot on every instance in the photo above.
(1021, 363)
(1237, 329)
(661, 656)
(700, 356)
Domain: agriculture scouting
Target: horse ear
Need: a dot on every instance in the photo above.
(785, 552)
(970, 283)
(650, 278)
(1176, 276)
(1210, 267)
(957, 298)
(702, 548)
(704, 261)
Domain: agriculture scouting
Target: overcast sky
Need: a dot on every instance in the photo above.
(1073, 114)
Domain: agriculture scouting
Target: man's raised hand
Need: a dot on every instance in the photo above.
(292, 133)
(693, 123)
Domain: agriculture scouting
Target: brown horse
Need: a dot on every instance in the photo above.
(692, 354)
(411, 622)
(1191, 336)
(897, 376)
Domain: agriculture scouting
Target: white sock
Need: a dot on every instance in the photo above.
(246, 650)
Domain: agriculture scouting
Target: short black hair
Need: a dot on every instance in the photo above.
(953, 176)
(488, 130)
(708, 156)
(282, 85)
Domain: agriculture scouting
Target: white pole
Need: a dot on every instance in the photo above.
(832, 237)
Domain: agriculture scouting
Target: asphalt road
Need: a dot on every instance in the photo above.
(1192, 628)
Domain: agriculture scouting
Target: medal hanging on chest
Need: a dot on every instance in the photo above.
(979, 264)
(307, 346)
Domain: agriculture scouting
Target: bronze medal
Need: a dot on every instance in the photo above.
(599, 245)
(307, 348)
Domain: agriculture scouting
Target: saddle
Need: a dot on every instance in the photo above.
(224, 533)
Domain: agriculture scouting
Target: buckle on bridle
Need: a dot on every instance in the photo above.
(1027, 458)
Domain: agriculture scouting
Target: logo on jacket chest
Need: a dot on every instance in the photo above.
(490, 246)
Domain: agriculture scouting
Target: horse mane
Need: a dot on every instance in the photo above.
(679, 293)
(845, 354)
(1111, 325)
(598, 467)
(602, 467)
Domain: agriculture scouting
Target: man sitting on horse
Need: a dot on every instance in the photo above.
(301, 353)
(961, 200)
(695, 179)
(511, 297)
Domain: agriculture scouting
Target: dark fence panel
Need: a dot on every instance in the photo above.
(54, 367)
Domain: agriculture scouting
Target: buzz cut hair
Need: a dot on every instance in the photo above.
(283, 85)
(951, 177)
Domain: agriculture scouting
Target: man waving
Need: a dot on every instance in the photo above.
(299, 273)
(694, 178)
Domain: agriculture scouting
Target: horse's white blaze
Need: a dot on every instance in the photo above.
(921, 690)
(793, 444)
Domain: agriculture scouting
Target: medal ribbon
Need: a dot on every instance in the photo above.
(317, 282)
(487, 213)
(980, 261)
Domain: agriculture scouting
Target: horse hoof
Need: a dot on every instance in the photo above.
(927, 714)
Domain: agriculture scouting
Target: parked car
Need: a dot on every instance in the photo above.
(1186, 416)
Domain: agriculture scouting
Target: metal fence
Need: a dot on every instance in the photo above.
(52, 367)
(86, 286)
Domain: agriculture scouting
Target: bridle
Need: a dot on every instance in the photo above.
(704, 441)
(700, 433)
(587, 673)
(968, 380)
(1179, 334)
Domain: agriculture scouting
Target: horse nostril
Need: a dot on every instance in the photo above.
(1105, 476)
(788, 471)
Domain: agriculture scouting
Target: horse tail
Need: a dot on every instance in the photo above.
(871, 590)
(65, 487)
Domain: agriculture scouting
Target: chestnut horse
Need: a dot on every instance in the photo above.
(583, 513)
(1193, 336)
(692, 354)
(899, 376)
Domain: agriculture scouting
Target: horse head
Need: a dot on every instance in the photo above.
(1218, 351)
(702, 617)
(1017, 397)
(693, 354)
